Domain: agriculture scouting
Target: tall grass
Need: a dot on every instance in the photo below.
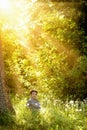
(52, 116)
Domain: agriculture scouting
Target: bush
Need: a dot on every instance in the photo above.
(57, 116)
(6, 118)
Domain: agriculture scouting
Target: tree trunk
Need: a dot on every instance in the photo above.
(5, 103)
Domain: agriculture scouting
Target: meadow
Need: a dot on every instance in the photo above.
(57, 115)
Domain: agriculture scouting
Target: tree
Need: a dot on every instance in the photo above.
(5, 103)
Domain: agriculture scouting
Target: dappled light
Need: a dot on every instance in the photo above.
(43, 46)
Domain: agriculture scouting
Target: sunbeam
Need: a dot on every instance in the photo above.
(18, 18)
(5, 5)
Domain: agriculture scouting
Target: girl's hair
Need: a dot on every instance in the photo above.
(33, 91)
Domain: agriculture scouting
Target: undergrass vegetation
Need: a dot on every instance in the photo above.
(55, 115)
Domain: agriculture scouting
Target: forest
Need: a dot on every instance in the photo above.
(43, 46)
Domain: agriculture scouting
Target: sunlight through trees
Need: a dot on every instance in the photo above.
(44, 47)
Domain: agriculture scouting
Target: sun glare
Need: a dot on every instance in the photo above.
(4, 5)
(16, 14)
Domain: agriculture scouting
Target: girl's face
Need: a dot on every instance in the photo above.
(34, 95)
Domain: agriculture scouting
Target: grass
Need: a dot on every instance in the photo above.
(68, 116)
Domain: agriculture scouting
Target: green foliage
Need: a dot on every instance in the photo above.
(56, 115)
(76, 79)
(52, 59)
(49, 54)
(6, 119)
